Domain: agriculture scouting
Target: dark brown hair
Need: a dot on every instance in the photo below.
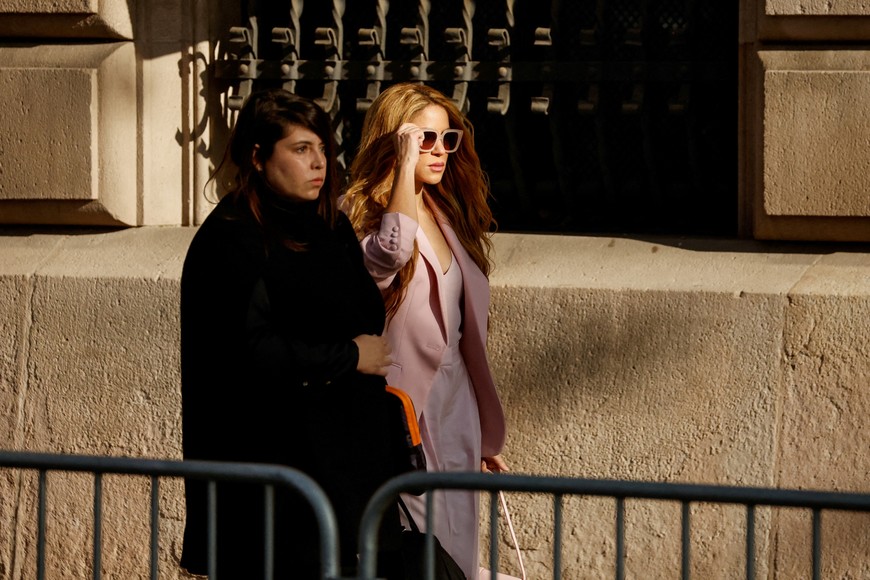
(265, 119)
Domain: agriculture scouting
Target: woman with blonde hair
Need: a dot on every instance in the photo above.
(417, 198)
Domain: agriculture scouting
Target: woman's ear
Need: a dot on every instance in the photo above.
(255, 158)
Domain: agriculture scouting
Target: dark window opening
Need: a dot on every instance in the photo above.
(621, 118)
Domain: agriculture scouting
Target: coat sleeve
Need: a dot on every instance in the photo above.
(290, 360)
(387, 250)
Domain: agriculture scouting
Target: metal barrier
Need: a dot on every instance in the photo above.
(267, 475)
(619, 490)
(558, 487)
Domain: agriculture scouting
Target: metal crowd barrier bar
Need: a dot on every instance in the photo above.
(558, 487)
(212, 471)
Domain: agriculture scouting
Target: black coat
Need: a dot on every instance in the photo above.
(268, 375)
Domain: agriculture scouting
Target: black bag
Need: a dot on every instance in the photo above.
(414, 554)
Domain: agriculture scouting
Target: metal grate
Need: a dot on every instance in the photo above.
(559, 487)
(270, 476)
(591, 115)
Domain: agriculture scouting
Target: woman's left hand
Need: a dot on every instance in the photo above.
(495, 464)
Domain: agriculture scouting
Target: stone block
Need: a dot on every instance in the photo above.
(815, 134)
(824, 437)
(66, 19)
(68, 152)
(812, 120)
(20, 256)
(816, 8)
(79, 385)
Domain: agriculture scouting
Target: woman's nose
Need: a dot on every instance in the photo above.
(319, 159)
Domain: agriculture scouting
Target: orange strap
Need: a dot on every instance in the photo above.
(410, 413)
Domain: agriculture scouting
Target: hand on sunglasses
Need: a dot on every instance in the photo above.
(407, 142)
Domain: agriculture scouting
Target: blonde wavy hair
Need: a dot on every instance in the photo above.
(460, 198)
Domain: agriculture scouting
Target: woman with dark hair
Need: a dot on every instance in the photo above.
(281, 355)
(418, 200)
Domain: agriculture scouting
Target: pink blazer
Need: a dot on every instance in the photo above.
(417, 343)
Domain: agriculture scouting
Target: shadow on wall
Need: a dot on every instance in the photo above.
(604, 345)
(619, 383)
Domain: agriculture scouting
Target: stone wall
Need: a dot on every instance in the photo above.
(662, 360)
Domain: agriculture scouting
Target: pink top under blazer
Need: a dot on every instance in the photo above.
(417, 342)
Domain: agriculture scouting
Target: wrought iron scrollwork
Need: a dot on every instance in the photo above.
(244, 60)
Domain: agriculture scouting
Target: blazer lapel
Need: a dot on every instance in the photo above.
(474, 283)
(433, 267)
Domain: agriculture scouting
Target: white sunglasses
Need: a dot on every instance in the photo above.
(450, 138)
